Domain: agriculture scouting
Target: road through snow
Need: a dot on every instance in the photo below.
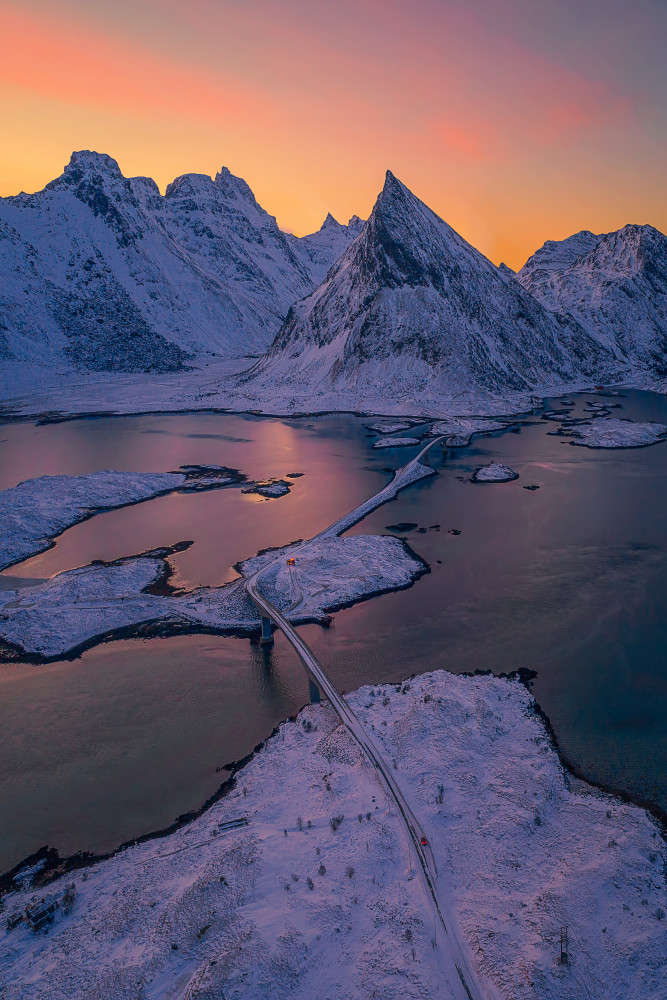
(462, 981)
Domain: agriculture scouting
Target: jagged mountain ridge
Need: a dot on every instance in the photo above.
(615, 287)
(104, 272)
(410, 303)
(326, 245)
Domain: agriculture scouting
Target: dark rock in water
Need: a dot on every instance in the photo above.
(271, 489)
(209, 477)
(533, 487)
(402, 526)
(295, 475)
(453, 531)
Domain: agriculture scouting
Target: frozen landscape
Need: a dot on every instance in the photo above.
(118, 299)
(315, 885)
(82, 606)
(144, 302)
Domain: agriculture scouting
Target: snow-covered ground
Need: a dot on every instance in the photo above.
(36, 510)
(390, 427)
(396, 442)
(614, 433)
(78, 606)
(215, 385)
(494, 473)
(288, 906)
(460, 431)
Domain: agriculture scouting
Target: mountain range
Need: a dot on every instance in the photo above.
(105, 272)
(101, 272)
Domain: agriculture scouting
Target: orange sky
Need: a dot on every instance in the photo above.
(516, 120)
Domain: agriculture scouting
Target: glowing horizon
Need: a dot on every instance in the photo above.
(513, 120)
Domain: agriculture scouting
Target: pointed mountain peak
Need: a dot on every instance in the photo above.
(232, 186)
(356, 223)
(392, 186)
(395, 197)
(330, 223)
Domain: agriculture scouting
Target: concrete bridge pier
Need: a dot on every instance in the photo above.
(314, 692)
(266, 637)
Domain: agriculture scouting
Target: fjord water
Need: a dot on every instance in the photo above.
(569, 580)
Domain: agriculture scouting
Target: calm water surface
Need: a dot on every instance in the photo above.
(568, 580)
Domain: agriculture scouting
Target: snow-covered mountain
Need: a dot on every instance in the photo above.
(411, 304)
(323, 248)
(614, 285)
(104, 273)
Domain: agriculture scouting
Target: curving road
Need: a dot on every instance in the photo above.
(461, 979)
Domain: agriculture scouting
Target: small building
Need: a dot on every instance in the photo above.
(42, 912)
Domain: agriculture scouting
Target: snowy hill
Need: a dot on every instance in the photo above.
(102, 272)
(614, 285)
(411, 305)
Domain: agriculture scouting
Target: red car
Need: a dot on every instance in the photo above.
(424, 842)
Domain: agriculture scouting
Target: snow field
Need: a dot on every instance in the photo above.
(520, 852)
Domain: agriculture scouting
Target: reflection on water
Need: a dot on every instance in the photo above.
(568, 580)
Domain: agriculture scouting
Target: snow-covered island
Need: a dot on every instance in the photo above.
(494, 473)
(283, 886)
(271, 489)
(390, 427)
(615, 433)
(36, 510)
(396, 442)
(79, 607)
(460, 430)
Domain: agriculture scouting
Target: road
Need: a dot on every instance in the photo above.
(462, 980)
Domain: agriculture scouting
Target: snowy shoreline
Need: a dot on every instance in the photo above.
(509, 830)
(81, 608)
(35, 511)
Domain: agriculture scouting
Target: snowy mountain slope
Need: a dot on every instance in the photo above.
(556, 255)
(616, 288)
(322, 249)
(410, 303)
(104, 273)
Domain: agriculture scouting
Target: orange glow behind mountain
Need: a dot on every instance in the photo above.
(515, 121)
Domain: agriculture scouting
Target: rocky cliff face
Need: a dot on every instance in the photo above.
(411, 303)
(614, 285)
(103, 272)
